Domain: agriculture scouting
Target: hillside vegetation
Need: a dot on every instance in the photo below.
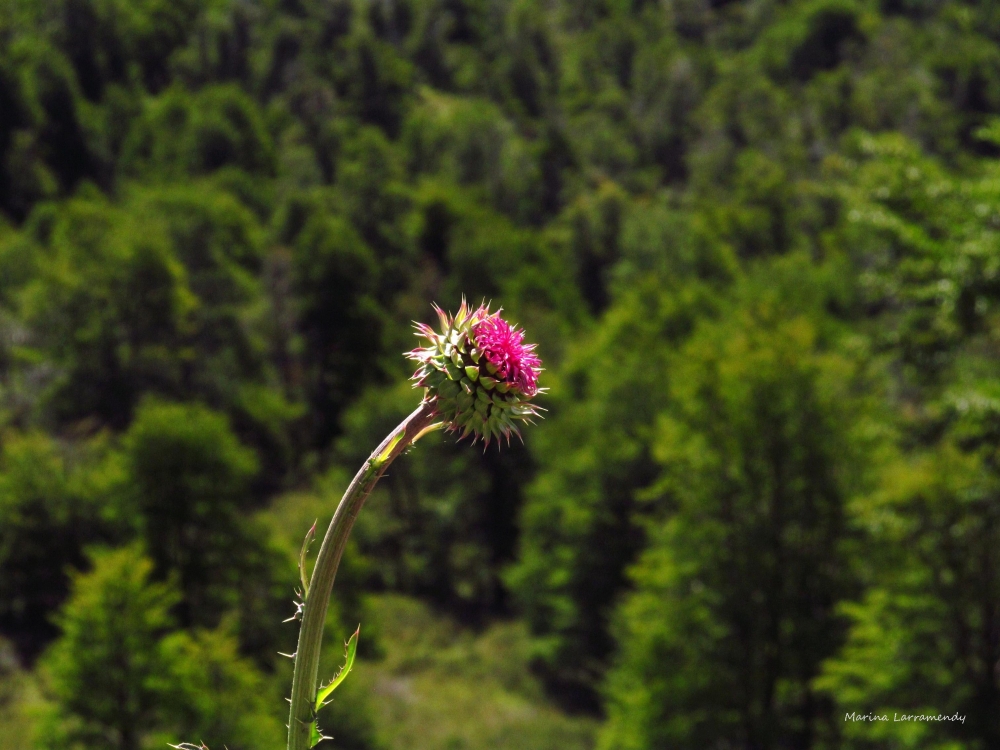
(757, 242)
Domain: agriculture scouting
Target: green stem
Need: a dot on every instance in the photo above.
(306, 671)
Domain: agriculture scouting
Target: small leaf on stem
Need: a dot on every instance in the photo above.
(316, 736)
(350, 650)
(310, 535)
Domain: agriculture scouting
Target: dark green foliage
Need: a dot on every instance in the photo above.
(579, 525)
(734, 608)
(922, 636)
(472, 143)
(107, 670)
(217, 695)
(814, 37)
(85, 306)
(582, 524)
(335, 279)
(162, 296)
(180, 135)
(122, 42)
(190, 478)
(51, 506)
(118, 679)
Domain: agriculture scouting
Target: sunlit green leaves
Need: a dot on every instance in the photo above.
(757, 467)
(118, 671)
(324, 692)
(350, 650)
(918, 637)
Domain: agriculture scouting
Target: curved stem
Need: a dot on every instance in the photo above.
(304, 679)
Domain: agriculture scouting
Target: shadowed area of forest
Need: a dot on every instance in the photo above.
(757, 243)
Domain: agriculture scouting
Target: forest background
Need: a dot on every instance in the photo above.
(757, 242)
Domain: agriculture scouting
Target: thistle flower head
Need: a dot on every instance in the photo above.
(478, 373)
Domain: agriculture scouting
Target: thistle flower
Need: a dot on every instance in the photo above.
(478, 373)
(478, 377)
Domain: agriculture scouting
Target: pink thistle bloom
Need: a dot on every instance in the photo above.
(478, 373)
(503, 346)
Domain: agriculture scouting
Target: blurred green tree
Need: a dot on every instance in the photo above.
(54, 501)
(335, 277)
(579, 525)
(181, 134)
(923, 639)
(190, 478)
(217, 696)
(735, 601)
(108, 673)
(189, 490)
(120, 679)
(159, 295)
